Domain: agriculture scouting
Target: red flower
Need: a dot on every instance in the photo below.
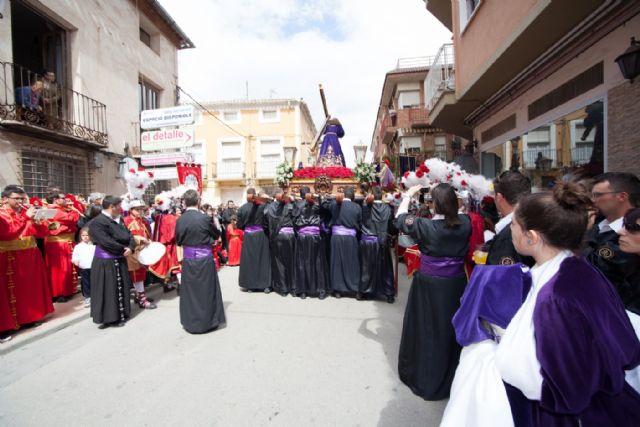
(132, 171)
(140, 169)
(426, 169)
(406, 174)
(140, 186)
(150, 174)
(458, 173)
(423, 168)
(420, 173)
(463, 183)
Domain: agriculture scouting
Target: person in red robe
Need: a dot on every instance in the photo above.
(164, 231)
(25, 296)
(141, 232)
(234, 239)
(58, 247)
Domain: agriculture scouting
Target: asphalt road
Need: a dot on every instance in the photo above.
(279, 361)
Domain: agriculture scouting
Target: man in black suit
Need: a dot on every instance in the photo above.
(508, 188)
(201, 308)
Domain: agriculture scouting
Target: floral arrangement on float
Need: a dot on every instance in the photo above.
(365, 173)
(284, 173)
(329, 171)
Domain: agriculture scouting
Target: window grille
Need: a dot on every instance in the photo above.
(40, 169)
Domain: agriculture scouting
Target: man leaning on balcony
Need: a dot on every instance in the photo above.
(28, 97)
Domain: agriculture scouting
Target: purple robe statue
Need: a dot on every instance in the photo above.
(330, 150)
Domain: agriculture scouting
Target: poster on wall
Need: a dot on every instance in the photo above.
(190, 174)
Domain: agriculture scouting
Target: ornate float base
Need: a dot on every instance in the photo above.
(323, 185)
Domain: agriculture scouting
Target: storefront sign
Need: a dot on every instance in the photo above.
(163, 117)
(165, 159)
(165, 139)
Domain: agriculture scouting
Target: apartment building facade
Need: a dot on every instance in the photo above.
(110, 60)
(403, 131)
(541, 92)
(245, 141)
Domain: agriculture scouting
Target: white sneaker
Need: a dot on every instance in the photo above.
(87, 302)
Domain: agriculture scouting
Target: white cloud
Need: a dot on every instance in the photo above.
(284, 48)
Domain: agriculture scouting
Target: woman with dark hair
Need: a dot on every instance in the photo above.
(563, 355)
(428, 349)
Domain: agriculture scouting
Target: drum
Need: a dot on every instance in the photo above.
(151, 253)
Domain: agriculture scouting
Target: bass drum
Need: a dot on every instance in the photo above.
(151, 254)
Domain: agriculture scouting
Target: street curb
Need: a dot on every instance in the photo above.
(17, 343)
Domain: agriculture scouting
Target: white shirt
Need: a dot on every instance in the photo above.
(516, 355)
(437, 216)
(82, 255)
(605, 225)
(504, 222)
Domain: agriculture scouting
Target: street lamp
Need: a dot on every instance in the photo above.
(290, 154)
(629, 61)
(360, 152)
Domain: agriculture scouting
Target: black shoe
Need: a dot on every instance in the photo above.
(267, 291)
(5, 336)
(168, 287)
(322, 296)
(303, 295)
(283, 294)
(337, 295)
(104, 326)
(359, 296)
(244, 290)
(391, 300)
(119, 324)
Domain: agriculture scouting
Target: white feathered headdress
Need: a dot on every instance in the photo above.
(137, 182)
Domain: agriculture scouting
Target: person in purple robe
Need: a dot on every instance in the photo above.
(564, 354)
(330, 150)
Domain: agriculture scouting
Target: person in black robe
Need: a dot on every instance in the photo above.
(429, 353)
(282, 243)
(255, 260)
(344, 265)
(509, 187)
(110, 281)
(201, 308)
(310, 260)
(375, 255)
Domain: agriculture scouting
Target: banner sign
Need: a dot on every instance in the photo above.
(165, 139)
(165, 159)
(190, 174)
(164, 117)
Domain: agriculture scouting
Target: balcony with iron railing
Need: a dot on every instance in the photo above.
(29, 102)
(542, 159)
(228, 170)
(266, 168)
(441, 76)
(407, 118)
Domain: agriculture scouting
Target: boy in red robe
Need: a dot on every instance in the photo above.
(141, 232)
(58, 247)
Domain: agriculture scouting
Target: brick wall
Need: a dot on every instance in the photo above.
(624, 128)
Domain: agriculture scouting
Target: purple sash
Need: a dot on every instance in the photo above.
(253, 229)
(340, 230)
(286, 230)
(102, 254)
(309, 230)
(195, 252)
(441, 266)
(369, 238)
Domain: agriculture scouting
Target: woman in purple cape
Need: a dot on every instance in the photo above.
(564, 354)
(330, 150)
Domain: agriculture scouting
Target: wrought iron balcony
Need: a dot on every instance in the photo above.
(581, 155)
(228, 170)
(441, 76)
(542, 159)
(27, 99)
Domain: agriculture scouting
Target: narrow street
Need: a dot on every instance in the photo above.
(279, 361)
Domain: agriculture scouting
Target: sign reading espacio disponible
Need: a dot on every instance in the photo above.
(163, 117)
(170, 138)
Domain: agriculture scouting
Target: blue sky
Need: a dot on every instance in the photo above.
(284, 48)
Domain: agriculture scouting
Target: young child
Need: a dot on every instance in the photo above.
(82, 257)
